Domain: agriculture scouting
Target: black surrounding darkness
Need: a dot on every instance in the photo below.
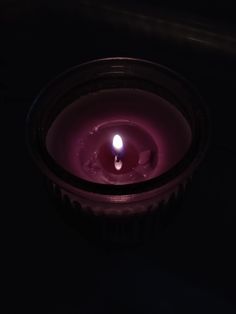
(49, 269)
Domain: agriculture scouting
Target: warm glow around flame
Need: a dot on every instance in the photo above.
(117, 142)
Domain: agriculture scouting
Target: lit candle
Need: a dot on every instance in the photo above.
(118, 136)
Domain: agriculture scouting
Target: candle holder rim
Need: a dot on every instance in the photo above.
(55, 172)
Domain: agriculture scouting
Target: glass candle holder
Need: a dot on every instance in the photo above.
(118, 137)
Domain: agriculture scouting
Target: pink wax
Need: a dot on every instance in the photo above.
(153, 134)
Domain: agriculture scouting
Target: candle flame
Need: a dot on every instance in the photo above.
(117, 142)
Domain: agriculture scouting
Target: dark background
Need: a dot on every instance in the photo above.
(49, 268)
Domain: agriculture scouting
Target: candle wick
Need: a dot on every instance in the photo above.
(117, 158)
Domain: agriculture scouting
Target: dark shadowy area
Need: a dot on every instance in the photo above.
(49, 268)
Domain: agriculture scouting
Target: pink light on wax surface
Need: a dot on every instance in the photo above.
(123, 141)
